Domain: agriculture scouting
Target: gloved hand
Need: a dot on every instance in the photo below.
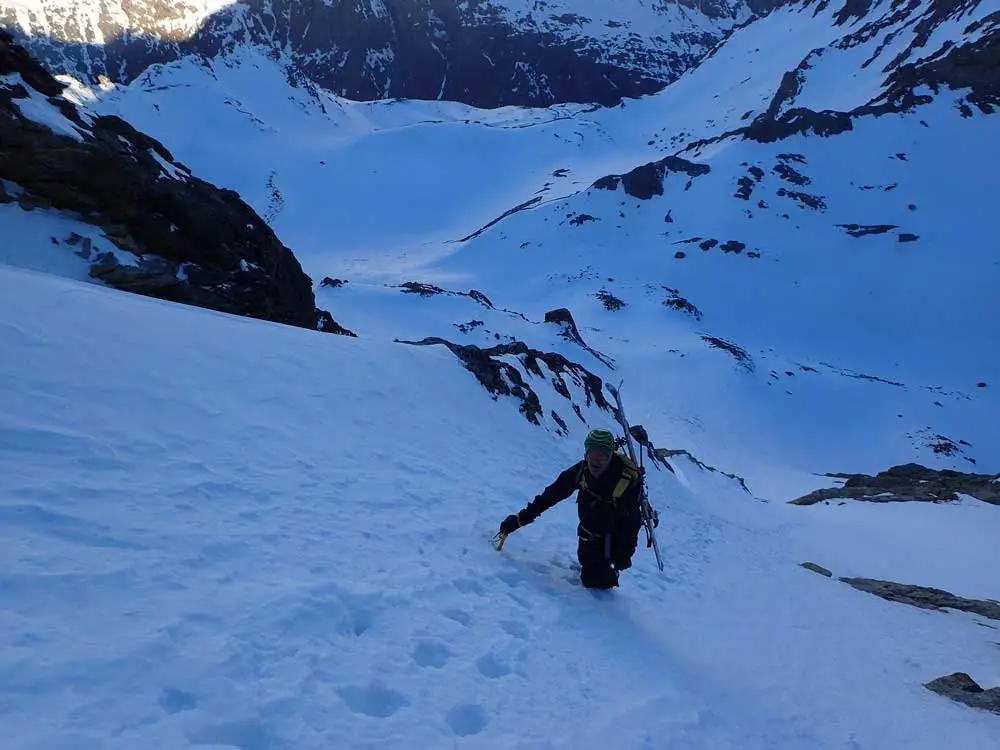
(510, 524)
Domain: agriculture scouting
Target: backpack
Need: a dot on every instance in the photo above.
(630, 473)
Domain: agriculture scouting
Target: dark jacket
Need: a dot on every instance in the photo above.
(598, 514)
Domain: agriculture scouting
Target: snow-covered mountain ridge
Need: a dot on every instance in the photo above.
(529, 52)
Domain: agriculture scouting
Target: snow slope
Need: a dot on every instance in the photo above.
(885, 340)
(219, 532)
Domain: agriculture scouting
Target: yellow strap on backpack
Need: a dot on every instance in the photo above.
(629, 474)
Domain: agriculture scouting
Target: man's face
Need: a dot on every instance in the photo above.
(597, 461)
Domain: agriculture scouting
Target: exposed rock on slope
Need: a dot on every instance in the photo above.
(646, 181)
(501, 378)
(924, 597)
(909, 482)
(963, 689)
(970, 66)
(958, 686)
(181, 238)
(564, 319)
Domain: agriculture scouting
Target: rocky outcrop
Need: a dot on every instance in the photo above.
(487, 53)
(665, 453)
(646, 181)
(568, 330)
(909, 482)
(797, 121)
(504, 379)
(967, 65)
(675, 301)
(961, 688)
(430, 290)
(781, 121)
(660, 456)
(817, 569)
(924, 597)
(741, 355)
(970, 67)
(863, 230)
(610, 302)
(181, 238)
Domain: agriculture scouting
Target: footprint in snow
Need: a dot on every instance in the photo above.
(245, 734)
(430, 653)
(519, 600)
(466, 718)
(512, 578)
(469, 586)
(329, 610)
(491, 667)
(458, 615)
(174, 701)
(514, 628)
(373, 700)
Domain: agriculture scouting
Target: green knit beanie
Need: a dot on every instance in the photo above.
(601, 439)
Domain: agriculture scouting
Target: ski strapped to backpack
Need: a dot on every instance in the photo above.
(650, 518)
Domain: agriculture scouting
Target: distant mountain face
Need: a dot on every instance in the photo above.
(484, 53)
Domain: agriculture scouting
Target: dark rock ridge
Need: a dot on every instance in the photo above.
(970, 66)
(610, 301)
(564, 319)
(187, 240)
(475, 51)
(862, 230)
(958, 686)
(941, 445)
(740, 354)
(909, 482)
(430, 290)
(966, 66)
(665, 453)
(647, 180)
(924, 597)
(775, 124)
(509, 212)
(503, 379)
(961, 688)
(661, 455)
(675, 301)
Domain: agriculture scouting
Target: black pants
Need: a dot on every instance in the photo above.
(596, 571)
(601, 557)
